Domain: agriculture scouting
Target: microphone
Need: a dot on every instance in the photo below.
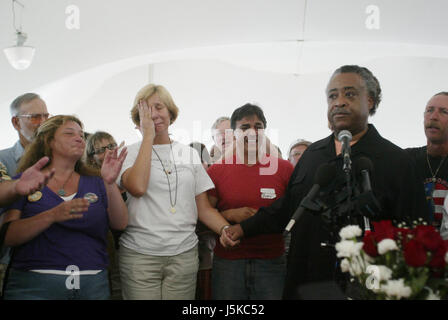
(367, 201)
(324, 175)
(345, 137)
(364, 165)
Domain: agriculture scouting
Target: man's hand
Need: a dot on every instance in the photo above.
(234, 232)
(225, 240)
(33, 179)
(238, 215)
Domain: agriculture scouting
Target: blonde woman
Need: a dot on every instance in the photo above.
(62, 228)
(166, 187)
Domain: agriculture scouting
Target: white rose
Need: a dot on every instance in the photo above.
(343, 248)
(386, 245)
(379, 273)
(432, 295)
(345, 265)
(385, 273)
(350, 232)
(355, 267)
(396, 289)
(347, 248)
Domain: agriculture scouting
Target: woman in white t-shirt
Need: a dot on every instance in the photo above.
(167, 186)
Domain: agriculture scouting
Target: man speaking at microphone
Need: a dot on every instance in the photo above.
(353, 94)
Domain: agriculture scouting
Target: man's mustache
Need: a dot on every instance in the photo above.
(432, 125)
(337, 112)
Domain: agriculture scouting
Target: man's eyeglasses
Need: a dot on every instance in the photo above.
(35, 118)
(110, 146)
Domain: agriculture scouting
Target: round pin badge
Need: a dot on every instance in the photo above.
(36, 196)
(91, 197)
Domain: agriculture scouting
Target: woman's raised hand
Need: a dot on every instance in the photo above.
(147, 127)
(112, 164)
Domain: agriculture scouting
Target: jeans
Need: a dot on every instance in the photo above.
(28, 285)
(248, 279)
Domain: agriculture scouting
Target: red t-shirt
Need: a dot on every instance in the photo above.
(238, 185)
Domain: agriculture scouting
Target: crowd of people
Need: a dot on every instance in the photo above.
(85, 218)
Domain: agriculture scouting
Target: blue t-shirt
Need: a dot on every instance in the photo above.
(80, 242)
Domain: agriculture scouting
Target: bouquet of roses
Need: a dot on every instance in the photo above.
(395, 262)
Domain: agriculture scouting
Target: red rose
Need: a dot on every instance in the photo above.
(428, 237)
(383, 230)
(369, 246)
(438, 258)
(414, 254)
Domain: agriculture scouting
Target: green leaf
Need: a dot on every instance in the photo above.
(418, 280)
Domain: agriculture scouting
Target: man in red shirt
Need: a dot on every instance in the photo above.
(244, 182)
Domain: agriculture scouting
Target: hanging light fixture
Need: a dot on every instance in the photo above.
(19, 56)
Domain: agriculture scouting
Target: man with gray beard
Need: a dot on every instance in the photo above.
(28, 111)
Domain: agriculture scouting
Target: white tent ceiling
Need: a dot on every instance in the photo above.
(244, 48)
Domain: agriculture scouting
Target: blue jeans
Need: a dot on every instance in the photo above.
(248, 279)
(28, 285)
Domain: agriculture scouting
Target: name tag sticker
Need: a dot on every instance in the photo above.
(268, 193)
(268, 196)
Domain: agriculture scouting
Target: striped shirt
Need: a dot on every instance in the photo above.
(437, 195)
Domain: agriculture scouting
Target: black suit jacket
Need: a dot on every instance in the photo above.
(394, 184)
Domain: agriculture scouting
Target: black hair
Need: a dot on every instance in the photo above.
(246, 111)
(372, 83)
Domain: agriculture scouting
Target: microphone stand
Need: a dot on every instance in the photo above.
(307, 204)
(347, 167)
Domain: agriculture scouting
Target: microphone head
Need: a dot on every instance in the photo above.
(363, 163)
(345, 134)
(325, 174)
